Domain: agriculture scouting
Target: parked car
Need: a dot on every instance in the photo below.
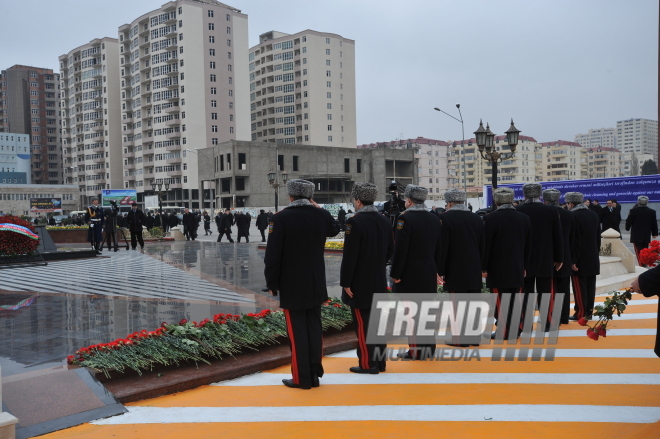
(59, 218)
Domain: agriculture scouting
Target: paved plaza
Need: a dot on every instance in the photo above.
(604, 388)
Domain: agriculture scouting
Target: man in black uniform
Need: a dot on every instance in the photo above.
(262, 224)
(341, 217)
(94, 218)
(368, 245)
(416, 260)
(562, 278)
(586, 262)
(243, 225)
(610, 217)
(507, 255)
(547, 247)
(296, 268)
(111, 226)
(136, 219)
(648, 283)
(393, 210)
(190, 224)
(463, 247)
(226, 222)
(643, 222)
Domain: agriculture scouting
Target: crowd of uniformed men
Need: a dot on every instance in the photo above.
(536, 246)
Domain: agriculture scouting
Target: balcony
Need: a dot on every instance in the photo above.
(97, 128)
(129, 155)
(172, 122)
(174, 109)
(129, 166)
(173, 135)
(144, 66)
(176, 186)
(146, 174)
(174, 174)
(173, 148)
(173, 161)
(129, 143)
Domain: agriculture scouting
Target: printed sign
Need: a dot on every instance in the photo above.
(123, 197)
(45, 205)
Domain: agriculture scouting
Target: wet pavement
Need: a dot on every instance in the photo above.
(47, 313)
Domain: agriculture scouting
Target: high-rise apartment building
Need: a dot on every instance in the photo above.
(183, 79)
(91, 126)
(28, 105)
(639, 136)
(559, 160)
(602, 137)
(435, 161)
(302, 89)
(601, 163)
(521, 168)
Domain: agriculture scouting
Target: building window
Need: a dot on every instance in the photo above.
(211, 26)
(212, 78)
(214, 128)
(212, 64)
(327, 73)
(328, 95)
(212, 52)
(210, 13)
(211, 39)
(328, 84)
(214, 141)
(295, 163)
(228, 30)
(214, 116)
(327, 41)
(359, 166)
(347, 164)
(329, 116)
(214, 103)
(329, 127)
(214, 90)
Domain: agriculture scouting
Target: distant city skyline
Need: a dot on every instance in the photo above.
(559, 68)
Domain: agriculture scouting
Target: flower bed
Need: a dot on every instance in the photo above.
(49, 228)
(172, 344)
(334, 245)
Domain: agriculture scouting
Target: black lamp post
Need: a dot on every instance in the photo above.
(485, 142)
(159, 192)
(272, 179)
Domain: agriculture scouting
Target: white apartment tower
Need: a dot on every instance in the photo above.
(183, 73)
(302, 89)
(639, 136)
(91, 129)
(602, 137)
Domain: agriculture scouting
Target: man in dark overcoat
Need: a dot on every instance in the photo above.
(190, 224)
(586, 263)
(295, 267)
(416, 259)
(643, 225)
(648, 283)
(508, 251)
(136, 220)
(610, 217)
(242, 226)
(94, 217)
(226, 222)
(262, 224)
(368, 245)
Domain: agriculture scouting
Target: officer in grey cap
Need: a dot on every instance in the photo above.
(642, 224)
(295, 268)
(562, 277)
(586, 261)
(94, 217)
(416, 260)
(547, 247)
(463, 247)
(368, 245)
(507, 255)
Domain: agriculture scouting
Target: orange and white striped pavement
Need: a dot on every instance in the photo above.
(605, 388)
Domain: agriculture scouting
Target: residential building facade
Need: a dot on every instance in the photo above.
(15, 198)
(436, 162)
(183, 79)
(91, 127)
(601, 163)
(29, 105)
(15, 158)
(239, 170)
(602, 137)
(560, 160)
(302, 89)
(639, 136)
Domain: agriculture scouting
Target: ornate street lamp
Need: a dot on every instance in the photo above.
(158, 189)
(486, 144)
(272, 179)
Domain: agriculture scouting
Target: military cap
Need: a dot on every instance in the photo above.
(300, 188)
(455, 196)
(532, 190)
(416, 193)
(573, 197)
(503, 195)
(365, 192)
(551, 195)
(642, 200)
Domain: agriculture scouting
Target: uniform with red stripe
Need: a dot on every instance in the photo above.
(368, 245)
(294, 266)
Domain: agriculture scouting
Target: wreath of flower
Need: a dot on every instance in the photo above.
(14, 244)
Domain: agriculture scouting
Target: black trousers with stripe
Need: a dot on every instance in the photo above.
(514, 294)
(563, 285)
(639, 246)
(544, 285)
(365, 352)
(584, 289)
(306, 339)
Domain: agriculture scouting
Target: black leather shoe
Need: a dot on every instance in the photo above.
(290, 383)
(315, 381)
(358, 369)
(573, 318)
(381, 368)
(563, 322)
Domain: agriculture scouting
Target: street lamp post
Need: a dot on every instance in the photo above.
(159, 192)
(272, 179)
(485, 142)
(462, 144)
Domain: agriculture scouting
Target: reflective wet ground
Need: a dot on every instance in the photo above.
(47, 313)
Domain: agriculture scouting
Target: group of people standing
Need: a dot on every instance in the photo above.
(535, 249)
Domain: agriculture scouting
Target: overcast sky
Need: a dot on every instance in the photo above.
(558, 67)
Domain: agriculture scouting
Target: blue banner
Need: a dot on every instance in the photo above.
(622, 189)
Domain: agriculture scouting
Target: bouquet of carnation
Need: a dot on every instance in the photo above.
(605, 313)
(650, 256)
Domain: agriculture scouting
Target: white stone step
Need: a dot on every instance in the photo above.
(613, 283)
(609, 259)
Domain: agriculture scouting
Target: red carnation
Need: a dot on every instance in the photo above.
(592, 334)
(582, 321)
(602, 331)
(183, 322)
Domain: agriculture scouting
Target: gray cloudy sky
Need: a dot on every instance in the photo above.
(558, 67)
